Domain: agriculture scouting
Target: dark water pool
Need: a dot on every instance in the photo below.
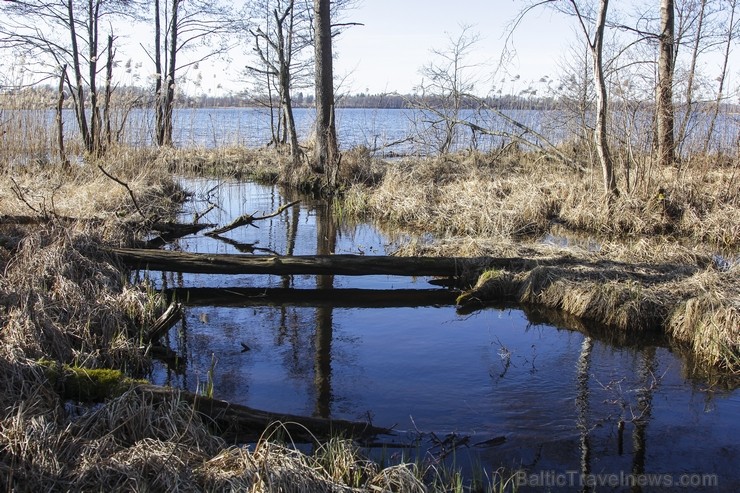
(516, 393)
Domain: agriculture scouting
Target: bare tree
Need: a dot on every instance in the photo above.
(597, 53)
(67, 33)
(326, 154)
(696, 20)
(447, 82)
(730, 36)
(594, 37)
(664, 98)
(180, 26)
(279, 41)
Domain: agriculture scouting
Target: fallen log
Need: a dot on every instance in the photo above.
(234, 422)
(239, 424)
(338, 298)
(343, 265)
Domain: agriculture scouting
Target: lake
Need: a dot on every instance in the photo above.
(405, 131)
(515, 390)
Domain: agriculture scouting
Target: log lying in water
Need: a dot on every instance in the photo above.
(234, 422)
(348, 297)
(342, 265)
(239, 424)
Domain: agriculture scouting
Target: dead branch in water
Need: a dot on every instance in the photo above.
(169, 317)
(239, 423)
(248, 219)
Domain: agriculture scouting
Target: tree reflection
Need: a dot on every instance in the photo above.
(326, 240)
(582, 405)
(643, 415)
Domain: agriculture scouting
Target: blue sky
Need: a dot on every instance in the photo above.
(386, 53)
(396, 39)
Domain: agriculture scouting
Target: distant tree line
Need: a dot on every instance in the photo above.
(44, 97)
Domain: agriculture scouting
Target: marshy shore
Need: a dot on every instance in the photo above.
(659, 258)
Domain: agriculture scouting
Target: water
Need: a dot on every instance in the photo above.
(407, 131)
(390, 132)
(519, 392)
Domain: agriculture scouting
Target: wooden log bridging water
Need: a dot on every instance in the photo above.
(341, 265)
(336, 297)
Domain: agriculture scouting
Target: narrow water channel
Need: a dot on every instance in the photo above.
(517, 392)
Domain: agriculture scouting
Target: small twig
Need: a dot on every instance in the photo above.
(19, 193)
(125, 185)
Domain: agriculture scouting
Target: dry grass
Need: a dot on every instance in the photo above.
(61, 304)
(708, 322)
(488, 196)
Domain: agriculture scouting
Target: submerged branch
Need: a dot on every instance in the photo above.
(248, 219)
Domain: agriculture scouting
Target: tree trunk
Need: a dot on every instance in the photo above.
(108, 93)
(689, 97)
(666, 144)
(234, 422)
(159, 76)
(170, 80)
(326, 156)
(346, 265)
(284, 79)
(165, 81)
(59, 121)
(92, 36)
(78, 94)
(602, 144)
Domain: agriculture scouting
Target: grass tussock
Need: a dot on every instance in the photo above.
(695, 304)
(708, 323)
(61, 304)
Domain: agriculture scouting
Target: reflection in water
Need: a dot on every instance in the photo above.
(582, 377)
(426, 363)
(644, 412)
(326, 240)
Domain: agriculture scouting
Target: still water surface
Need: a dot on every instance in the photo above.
(548, 399)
